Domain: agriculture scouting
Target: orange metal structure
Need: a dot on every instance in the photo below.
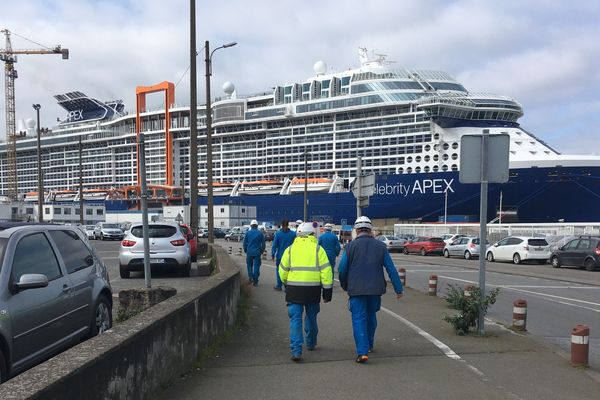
(140, 97)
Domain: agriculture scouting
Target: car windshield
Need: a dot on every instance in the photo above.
(111, 226)
(476, 241)
(392, 238)
(155, 231)
(537, 242)
(89, 227)
(436, 240)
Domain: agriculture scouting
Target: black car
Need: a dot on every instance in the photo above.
(219, 233)
(581, 252)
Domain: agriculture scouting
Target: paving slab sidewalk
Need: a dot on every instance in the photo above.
(416, 356)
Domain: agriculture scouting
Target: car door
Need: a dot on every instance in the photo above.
(499, 250)
(461, 246)
(583, 249)
(567, 254)
(452, 247)
(79, 263)
(514, 245)
(39, 317)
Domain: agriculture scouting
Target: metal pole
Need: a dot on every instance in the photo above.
(209, 182)
(80, 181)
(500, 216)
(193, 125)
(305, 185)
(359, 183)
(39, 167)
(445, 206)
(182, 185)
(144, 197)
(483, 227)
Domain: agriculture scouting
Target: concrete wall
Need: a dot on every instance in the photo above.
(142, 354)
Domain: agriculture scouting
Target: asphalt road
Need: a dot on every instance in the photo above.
(557, 300)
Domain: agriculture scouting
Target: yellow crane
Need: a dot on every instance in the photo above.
(8, 56)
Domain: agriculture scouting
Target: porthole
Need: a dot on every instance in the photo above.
(454, 156)
(436, 168)
(409, 159)
(455, 145)
(436, 136)
(445, 157)
(436, 147)
(426, 158)
(417, 169)
(444, 168)
(426, 169)
(427, 147)
(399, 170)
(408, 170)
(454, 167)
(446, 146)
(436, 157)
(418, 158)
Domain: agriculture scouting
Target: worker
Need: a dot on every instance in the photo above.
(298, 223)
(284, 237)
(361, 276)
(330, 242)
(306, 279)
(254, 246)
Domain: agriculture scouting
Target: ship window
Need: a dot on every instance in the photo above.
(436, 136)
(454, 156)
(455, 145)
(427, 147)
(454, 167)
(418, 158)
(409, 159)
(426, 158)
(445, 157)
(426, 168)
(409, 170)
(399, 170)
(435, 168)
(446, 146)
(444, 168)
(418, 169)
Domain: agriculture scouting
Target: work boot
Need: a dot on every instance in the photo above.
(362, 359)
(296, 357)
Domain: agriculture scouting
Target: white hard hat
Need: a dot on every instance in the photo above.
(363, 222)
(299, 221)
(254, 222)
(328, 227)
(306, 228)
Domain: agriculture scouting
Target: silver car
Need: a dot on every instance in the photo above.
(107, 230)
(89, 231)
(169, 249)
(393, 243)
(54, 292)
(467, 247)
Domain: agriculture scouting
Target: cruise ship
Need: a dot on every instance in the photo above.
(406, 125)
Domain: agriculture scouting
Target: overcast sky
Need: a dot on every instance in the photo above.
(543, 53)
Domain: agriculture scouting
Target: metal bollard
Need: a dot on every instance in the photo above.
(433, 279)
(402, 273)
(240, 252)
(580, 347)
(230, 250)
(520, 315)
(468, 291)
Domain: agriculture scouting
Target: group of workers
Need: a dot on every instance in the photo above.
(305, 267)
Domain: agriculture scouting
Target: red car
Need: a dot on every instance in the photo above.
(187, 232)
(425, 245)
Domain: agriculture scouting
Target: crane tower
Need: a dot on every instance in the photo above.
(8, 56)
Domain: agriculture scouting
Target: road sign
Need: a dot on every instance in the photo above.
(495, 164)
(344, 221)
(367, 186)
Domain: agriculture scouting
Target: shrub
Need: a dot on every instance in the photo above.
(468, 307)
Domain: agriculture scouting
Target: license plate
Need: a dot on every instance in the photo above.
(157, 260)
(538, 248)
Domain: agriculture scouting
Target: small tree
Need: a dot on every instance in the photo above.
(468, 307)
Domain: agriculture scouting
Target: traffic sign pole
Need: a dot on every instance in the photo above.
(359, 183)
(483, 227)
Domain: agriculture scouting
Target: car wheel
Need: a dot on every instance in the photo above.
(423, 252)
(185, 272)
(517, 258)
(490, 257)
(555, 262)
(405, 251)
(468, 255)
(589, 264)
(101, 236)
(102, 319)
(124, 272)
(446, 254)
(3, 368)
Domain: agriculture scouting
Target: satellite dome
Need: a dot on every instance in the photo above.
(320, 67)
(30, 123)
(228, 88)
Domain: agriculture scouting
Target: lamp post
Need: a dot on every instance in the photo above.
(193, 125)
(209, 182)
(80, 182)
(305, 185)
(37, 107)
(445, 206)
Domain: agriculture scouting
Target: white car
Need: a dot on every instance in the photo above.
(518, 249)
(107, 230)
(89, 231)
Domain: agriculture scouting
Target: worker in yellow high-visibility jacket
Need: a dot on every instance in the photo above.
(305, 272)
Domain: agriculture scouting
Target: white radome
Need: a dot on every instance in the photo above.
(228, 88)
(30, 123)
(320, 67)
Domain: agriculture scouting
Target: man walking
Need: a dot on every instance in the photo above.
(305, 272)
(361, 275)
(330, 242)
(284, 237)
(254, 245)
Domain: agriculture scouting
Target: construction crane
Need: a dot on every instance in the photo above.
(8, 55)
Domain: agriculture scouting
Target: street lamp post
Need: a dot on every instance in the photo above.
(209, 182)
(193, 124)
(80, 181)
(37, 107)
(305, 185)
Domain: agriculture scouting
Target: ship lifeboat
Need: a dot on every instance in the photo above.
(260, 187)
(64, 195)
(313, 185)
(219, 189)
(95, 194)
(32, 197)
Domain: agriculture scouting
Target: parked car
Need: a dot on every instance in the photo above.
(89, 231)
(393, 243)
(54, 292)
(187, 232)
(169, 249)
(581, 252)
(269, 234)
(467, 247)
(518, 249)
(202, 233)
(107, 230)
(219, 233)
(236, 234)
(449, 237)
(424, 245)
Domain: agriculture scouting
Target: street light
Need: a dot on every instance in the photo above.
(37, 107)
(209, 183)
(305, 185)
(80, 181)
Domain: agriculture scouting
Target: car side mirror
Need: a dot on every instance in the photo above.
(495, 244)
(31, 281)
(89, 260)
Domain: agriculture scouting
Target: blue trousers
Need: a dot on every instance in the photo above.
(364, 321)
(311, 329)
(253, 265)
(277, 278)
(332, 263)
